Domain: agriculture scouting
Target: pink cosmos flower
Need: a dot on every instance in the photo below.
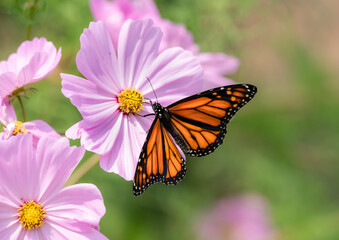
(13, 127)
(238, 218)
(115, 12)
(116, 87)
(33, 61)
(33, 204)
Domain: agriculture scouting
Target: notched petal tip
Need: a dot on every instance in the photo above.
(74, 132)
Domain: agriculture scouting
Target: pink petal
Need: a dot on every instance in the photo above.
(36, 59)
(176, 35)
(87, 97)
(28, 235)
(5, 67)
(55, 161)
(9, 129)
(10, 65)
(100, 137)
(77, 208)
(41, 129)
(138, 47)
(7, 113)
(11, 232)
(75, 131)
(7, 84)
(103, 116)
(103, 10)
(99, 110)
(144, 9)
(174, 67)
(218, 63)
(55, 231)
(111, 13)
(97, 60)
(18, 171)
(115, 13)
(7, 206)
(26, 75)
(8, 215)
(124, 155)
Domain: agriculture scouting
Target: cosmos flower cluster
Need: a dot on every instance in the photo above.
(126, 57)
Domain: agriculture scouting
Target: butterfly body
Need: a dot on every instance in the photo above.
(196, 124)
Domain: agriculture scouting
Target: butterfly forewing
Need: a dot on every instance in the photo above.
(200, 120)
(160, 160)
(150, 168)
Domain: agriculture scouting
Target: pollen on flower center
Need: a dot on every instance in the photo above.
(19, 128)
(130, 101)
(31, 215)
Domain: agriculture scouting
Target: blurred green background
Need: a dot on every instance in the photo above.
(284, 145)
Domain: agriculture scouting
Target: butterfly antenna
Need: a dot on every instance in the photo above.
(152, 89)
(140, 101)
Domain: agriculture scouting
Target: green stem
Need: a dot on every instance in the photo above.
(82, 170)
(22, 108)
(30, 17)
(62, 133)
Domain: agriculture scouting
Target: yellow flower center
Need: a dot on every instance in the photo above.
(130, 101)
(19, 128)
(31, 215)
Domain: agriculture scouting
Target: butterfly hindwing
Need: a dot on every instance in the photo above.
(159, 161)
(200, 120)
(175, 163)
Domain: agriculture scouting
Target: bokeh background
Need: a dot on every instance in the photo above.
(283, 147)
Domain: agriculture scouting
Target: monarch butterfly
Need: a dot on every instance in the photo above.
(197, 124)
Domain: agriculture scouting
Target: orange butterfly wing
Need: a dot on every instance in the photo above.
(159, 161)
(198, 126)
(199, 122)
